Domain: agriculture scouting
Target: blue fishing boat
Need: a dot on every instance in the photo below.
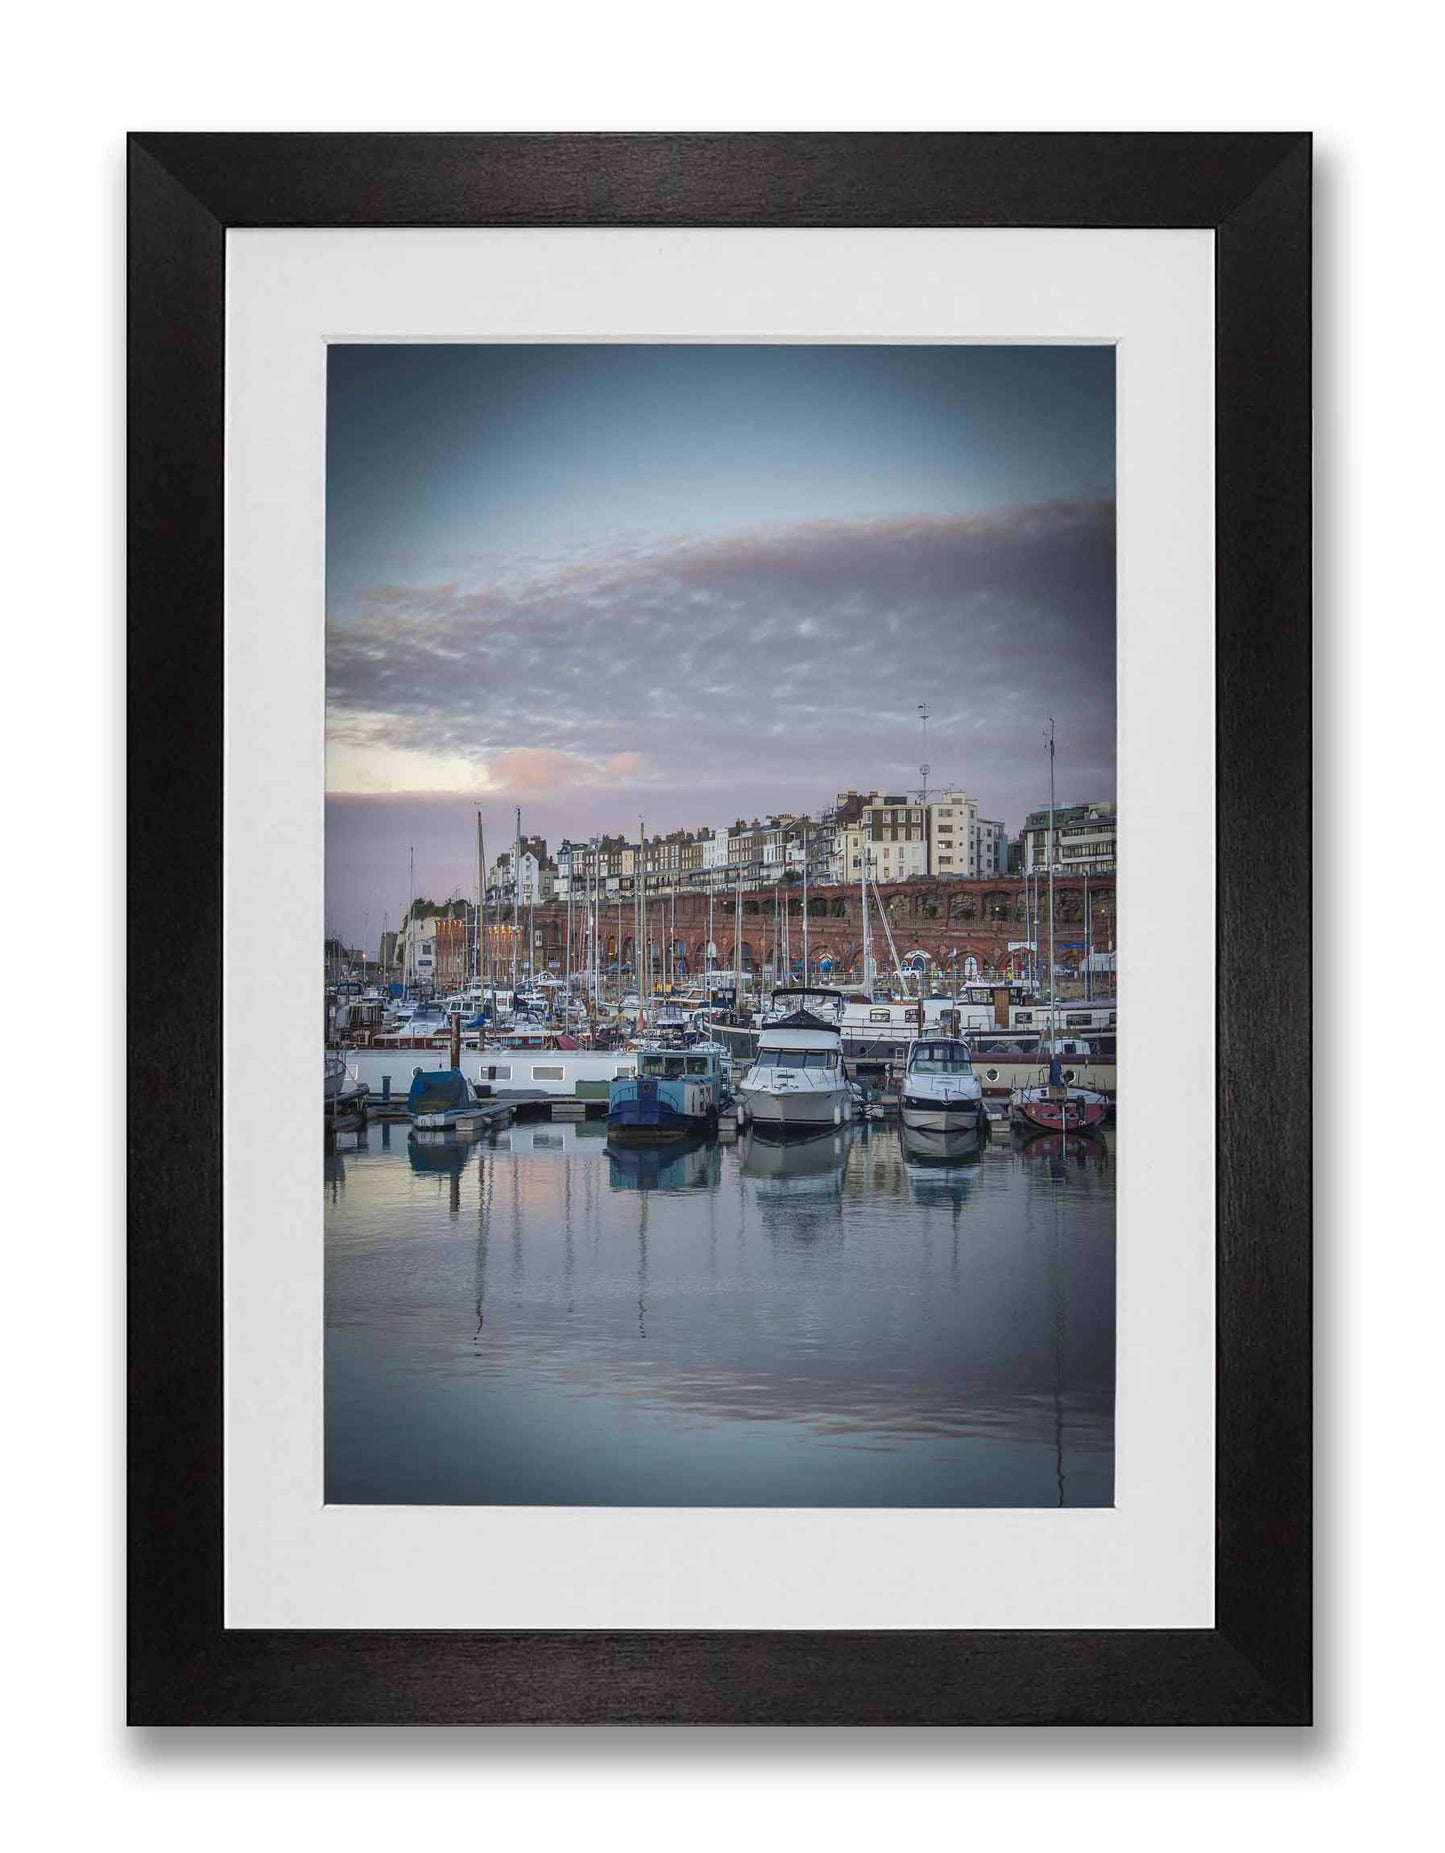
(674, 1093)
(439, 1098)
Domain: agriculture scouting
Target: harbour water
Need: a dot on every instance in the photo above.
(865, 1319)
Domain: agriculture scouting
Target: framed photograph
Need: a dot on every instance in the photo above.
(745, 702)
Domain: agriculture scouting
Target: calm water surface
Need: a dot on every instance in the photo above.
(868, 1319)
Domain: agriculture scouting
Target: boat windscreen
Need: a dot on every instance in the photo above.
(940, 1058)
(796, 1058)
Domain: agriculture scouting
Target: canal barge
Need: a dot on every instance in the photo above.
(674, 1093)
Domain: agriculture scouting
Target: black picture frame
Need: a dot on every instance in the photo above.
(1253, 192)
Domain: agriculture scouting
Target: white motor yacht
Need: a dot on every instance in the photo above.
(796, 1081)
(940, 1091)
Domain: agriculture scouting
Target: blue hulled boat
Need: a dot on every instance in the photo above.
(675, 1093)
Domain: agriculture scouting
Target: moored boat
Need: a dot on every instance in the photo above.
(797, 1082)
(674, 1093)
(1061, 1109)
(440, 1099)
(940, 1092)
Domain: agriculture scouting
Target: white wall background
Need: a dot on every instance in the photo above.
(1365, 83)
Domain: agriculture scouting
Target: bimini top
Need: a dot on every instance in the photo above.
(800, 1031)
(800, 1019)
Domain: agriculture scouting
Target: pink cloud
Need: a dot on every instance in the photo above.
(538, 769)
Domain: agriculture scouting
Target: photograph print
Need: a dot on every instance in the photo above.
(720, 975)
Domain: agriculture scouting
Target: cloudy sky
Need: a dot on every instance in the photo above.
(699, 582)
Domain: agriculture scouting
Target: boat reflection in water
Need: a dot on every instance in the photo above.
(1078, 1148)
(942, 1167)
(797, 1182)
(441, 1154)
(795, 1165)
(848, 1320)
(691, 1164)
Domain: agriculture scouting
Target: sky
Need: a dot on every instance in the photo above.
(693, 583)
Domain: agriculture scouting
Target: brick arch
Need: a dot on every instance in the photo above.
(850, 958)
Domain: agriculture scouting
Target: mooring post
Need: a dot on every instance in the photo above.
(456, 1046)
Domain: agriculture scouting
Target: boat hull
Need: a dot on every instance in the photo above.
(798, 1109)
(1071, 1114)
(635, 1125)
(641, 1109)
(942, 1116)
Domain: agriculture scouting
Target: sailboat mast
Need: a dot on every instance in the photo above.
(481, 892)
(637, 916)
(516, 894)
(1088, 953)
(738, 946)
(481, 934)
(868, 972)
(805, 907)
(644, 962)
(1052, 858)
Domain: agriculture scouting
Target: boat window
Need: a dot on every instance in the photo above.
(880, 1016)
(797, 1058)
(546, 1073)
(697, 1064)
(940, 1058)
(495, 1072)
(649, 1064)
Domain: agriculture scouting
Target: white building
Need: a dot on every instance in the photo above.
(960, 842)
(531, 887)
(1086, 836)
(952, 819)
(990, 847)
(889, 829)
(715, 850)
(897, 861)
(417, 947)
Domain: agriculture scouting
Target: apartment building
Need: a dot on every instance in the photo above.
(1086, 836)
